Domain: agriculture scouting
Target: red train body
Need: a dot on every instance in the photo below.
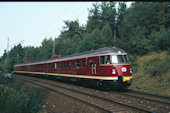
(109, 65)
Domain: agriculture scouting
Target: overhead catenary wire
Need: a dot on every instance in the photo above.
(62, 26)
(57, 18)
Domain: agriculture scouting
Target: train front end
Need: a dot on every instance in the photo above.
(122, 69)
(117, 65)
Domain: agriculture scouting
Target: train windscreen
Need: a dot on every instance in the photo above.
(114, 59)
(119, 59)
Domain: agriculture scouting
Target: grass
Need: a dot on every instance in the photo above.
(14, 100)
(152, 73)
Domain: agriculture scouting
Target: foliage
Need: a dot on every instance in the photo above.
(140, 23)
(160, 40)
(107, 36)
(13, 100)
(12, 57)
(157, 66)
(140, 29)
(92, 41)
(94, 19)
(153, 73)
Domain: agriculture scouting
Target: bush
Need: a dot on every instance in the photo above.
(156, 66)
(134, 65)
(156, 71)
(13, 100)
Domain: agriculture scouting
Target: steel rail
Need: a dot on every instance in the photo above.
(149, 94)
(156, 97)
(95, 96)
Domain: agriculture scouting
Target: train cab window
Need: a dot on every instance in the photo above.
(78, 63)
(126, 59)
(83, 63)
(90, 63)
(123, 59)
(114, 59)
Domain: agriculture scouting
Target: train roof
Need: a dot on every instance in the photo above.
(105, 50)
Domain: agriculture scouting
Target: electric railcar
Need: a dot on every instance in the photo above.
(109, 65)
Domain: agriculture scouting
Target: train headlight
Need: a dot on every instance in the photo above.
(124, 69)
(130, 70)
(113, 71)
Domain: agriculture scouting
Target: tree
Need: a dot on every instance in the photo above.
(46, 49)
(31, 53)
(160, 40)
(92, 41)
(14, 56)
(94, 19)
(108, 14)
(120, 16)
(72, 28)
(107, 36)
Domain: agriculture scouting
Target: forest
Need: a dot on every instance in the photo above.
(142, 28)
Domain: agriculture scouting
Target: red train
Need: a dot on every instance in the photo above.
(107, 65)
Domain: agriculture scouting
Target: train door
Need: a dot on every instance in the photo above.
(92, 66)
(73, 67)
(46, 68)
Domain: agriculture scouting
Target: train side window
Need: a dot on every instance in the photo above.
(55, 65)
(83, 63)
(52, 65)
(90, 63)
(78, 63)
(49, 66)
(105, 59)
(73, 63)
(102, 59)
(68, 64)
(61, 64)
(64, 64)
(58, 65)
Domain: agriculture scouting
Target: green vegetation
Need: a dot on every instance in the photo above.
(13, 100)
(141, 29)
(152, 74)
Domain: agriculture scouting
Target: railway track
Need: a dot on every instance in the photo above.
(153, 102)
(102, 103)
(165, 100)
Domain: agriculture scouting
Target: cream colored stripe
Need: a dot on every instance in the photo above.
(69, 75)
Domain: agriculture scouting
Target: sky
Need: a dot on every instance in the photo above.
(29, 23)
